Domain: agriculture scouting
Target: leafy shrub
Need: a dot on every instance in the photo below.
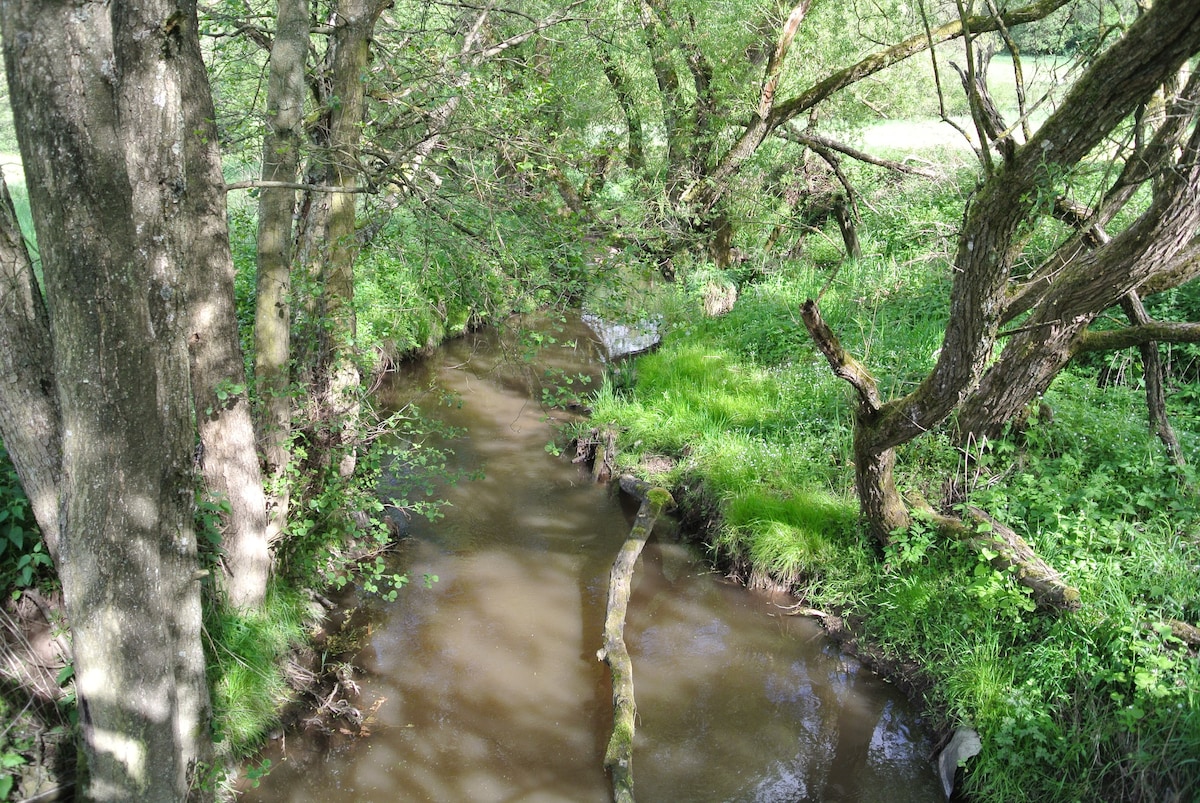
(23, 558)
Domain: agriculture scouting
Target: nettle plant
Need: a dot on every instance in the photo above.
(23, 557)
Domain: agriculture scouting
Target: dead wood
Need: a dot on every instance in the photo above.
(1007, 551)
(618, 758)
(599, 446)
(1188, 634)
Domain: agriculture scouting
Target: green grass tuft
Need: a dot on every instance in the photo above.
(246, 653)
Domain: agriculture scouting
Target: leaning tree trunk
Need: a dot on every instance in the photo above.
(128, 559)
(1152, 49)
(229, 463)
(1095, 281)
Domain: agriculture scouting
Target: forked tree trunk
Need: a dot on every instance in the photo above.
(880, 502)
(1096, 280)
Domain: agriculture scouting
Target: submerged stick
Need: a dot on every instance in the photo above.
(618, 758)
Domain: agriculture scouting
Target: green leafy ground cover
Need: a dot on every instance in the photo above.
(1098, 704)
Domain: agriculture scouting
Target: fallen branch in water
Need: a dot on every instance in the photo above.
(618, 758)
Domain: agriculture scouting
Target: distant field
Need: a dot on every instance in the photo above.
(1043, 83)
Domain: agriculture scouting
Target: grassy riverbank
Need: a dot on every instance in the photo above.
(741, 416)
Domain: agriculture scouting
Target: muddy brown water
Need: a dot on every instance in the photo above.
(486, 686)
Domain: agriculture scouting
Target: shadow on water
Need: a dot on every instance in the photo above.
(486, 687)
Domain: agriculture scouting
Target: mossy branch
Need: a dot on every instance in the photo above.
(1010, 551)
(618, 758)
(841, 361)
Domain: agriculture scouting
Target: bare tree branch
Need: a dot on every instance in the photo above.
(813, 140)
(291, 185)
(775, 64)
(1130, 336)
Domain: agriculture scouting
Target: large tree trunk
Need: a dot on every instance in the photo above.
(336, 371)
(179, 197)
(276, 206)
(1152, 50)
(1095, 281)
(127, 554)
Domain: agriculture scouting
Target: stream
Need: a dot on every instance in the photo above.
(485, 686)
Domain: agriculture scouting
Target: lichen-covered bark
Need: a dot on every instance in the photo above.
(127, 549)
(882, 508)
(230, 464)
(332, 246)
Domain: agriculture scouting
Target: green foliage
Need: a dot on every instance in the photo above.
(396, 476)
(796, 538)
(24, 561)
(1181, 359)
(1076, 28)
(13, 753)
(1099, 704)
(563, 390)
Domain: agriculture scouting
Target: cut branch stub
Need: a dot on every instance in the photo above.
(618, 758)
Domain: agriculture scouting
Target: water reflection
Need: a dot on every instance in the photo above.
(487, 686)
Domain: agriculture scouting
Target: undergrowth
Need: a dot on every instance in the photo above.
(1097, 704)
